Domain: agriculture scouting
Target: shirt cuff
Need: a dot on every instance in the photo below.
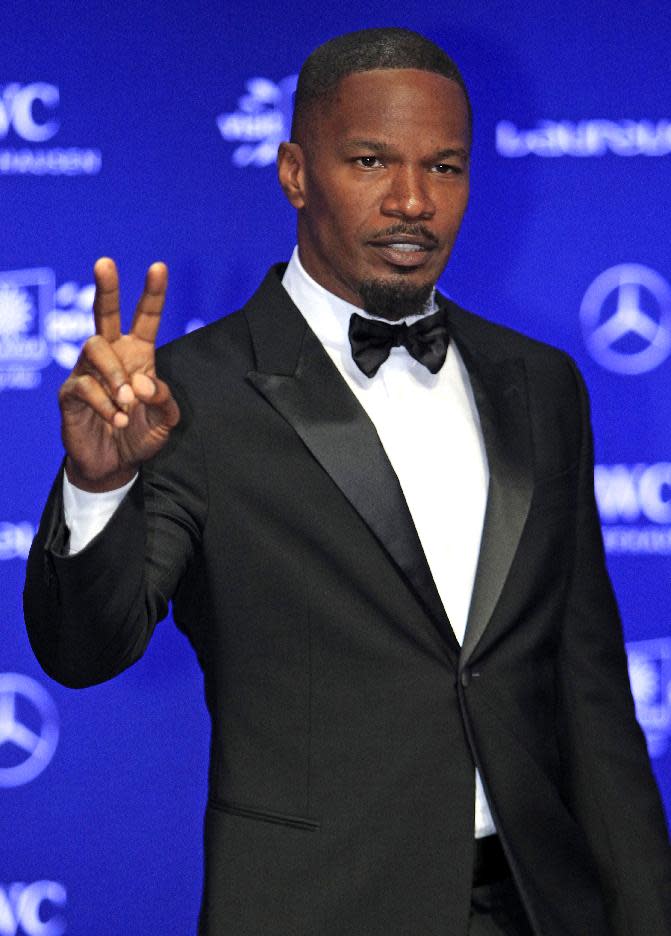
(86, 513)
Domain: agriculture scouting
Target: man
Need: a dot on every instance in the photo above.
(384, 550)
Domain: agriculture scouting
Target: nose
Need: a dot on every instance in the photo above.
(407, 195)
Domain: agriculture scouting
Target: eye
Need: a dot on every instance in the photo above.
(368, 162)
(447, 169)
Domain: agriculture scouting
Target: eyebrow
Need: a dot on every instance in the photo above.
(376, 146)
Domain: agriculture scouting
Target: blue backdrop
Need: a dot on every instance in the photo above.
(148, 131)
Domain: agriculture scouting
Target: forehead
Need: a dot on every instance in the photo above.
(390, 103)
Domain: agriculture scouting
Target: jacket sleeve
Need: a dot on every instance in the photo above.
(91, 615)
(610, 787)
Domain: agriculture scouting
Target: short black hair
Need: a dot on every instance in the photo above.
(366, 50)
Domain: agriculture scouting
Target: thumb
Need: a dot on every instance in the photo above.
(161, 407)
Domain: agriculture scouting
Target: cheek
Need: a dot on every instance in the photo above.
(344, 223)
(328, 206)
(459, 205)
(342, 215)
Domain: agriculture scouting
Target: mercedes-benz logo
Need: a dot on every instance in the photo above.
(626, 319)
(28, 729)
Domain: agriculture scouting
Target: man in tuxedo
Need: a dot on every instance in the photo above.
(373, 512)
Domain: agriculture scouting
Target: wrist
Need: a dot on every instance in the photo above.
(98, 485)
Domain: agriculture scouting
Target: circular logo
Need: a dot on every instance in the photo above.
(626, 319)
(28, 729)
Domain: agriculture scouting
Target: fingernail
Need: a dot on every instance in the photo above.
(144, 385)
(125, 394)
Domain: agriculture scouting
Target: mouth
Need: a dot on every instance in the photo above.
(407, 251)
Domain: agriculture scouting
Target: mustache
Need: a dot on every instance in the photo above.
(411, 230)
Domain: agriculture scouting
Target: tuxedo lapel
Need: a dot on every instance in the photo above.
(499, 388)
(299, 380)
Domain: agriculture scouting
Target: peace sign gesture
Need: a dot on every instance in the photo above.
(115, 412)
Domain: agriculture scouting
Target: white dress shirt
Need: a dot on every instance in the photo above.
(429, 428)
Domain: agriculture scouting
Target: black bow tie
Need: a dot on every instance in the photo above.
(372, 340)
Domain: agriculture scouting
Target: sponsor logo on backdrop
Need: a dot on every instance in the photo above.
(29, 729)
(593, 137)
(626, 319)
(40, 324)
(25, 298)
(15, 539)
(28, 121)
(32, 909)
(261, 122)
(635, 507)
(70, 322)
(650, 677)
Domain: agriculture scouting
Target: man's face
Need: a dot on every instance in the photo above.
(380, 180)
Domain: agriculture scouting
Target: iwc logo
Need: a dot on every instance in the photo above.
(39, 323)
(626, 319)
(650, 676)
(261, 122)
(635, 507)
(32, 909)
(28, 116)
(28, 729)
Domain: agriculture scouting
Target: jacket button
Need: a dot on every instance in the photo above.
(466, 678)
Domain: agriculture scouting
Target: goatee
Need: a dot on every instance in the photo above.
(394, 300)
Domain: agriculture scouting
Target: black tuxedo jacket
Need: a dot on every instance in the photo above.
(346, 720)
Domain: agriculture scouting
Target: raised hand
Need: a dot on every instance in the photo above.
(115, 411)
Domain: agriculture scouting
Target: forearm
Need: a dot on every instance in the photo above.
(89, 615)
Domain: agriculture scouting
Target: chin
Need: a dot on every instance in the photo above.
(395, 297)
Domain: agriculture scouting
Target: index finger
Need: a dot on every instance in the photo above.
(147, 316)
(106, 311)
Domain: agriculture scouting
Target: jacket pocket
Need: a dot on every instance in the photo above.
(264, 815)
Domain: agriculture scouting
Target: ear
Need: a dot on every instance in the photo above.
(290, 172)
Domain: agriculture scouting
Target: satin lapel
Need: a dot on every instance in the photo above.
(299, 380)
(501, 397)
